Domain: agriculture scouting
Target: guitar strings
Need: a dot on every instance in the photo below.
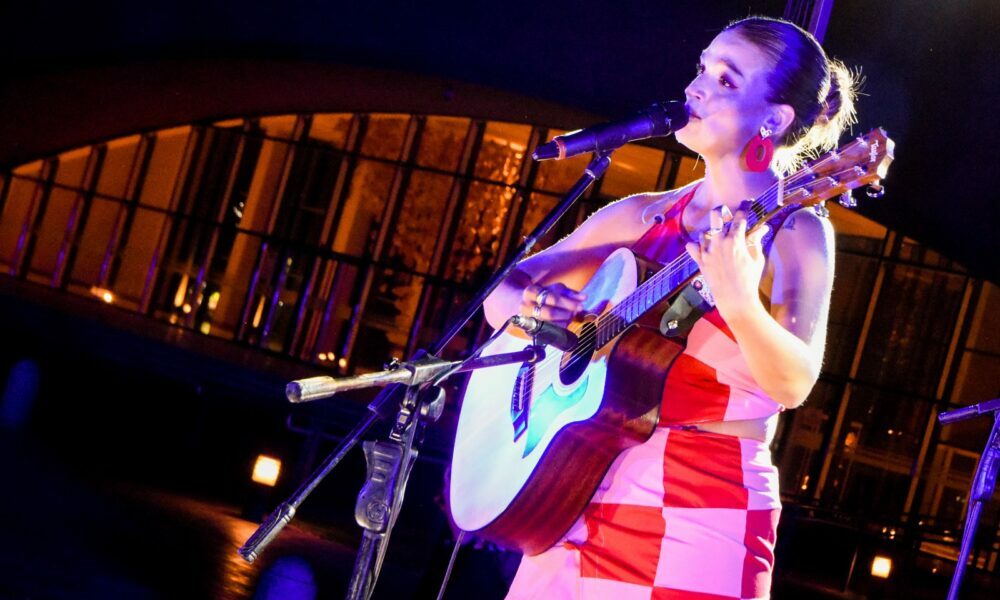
(676, 266)
(647, 295)
(792, 185)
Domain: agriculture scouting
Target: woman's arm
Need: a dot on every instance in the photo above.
(784, 347)
(566, 266)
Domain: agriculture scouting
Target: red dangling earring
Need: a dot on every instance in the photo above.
(760, 151)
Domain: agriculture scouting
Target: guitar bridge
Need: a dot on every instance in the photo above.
(520, 400)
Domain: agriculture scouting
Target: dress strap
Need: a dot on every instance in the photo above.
(665, 239)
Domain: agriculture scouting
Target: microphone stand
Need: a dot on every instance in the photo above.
(389, 463)
(983, 482)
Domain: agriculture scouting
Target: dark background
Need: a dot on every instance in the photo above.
(929, 68)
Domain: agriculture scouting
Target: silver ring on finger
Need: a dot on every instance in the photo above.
(540, 298)
(536, 310)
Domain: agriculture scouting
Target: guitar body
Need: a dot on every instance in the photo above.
(533, 443)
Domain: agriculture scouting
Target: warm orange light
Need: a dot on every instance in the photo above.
(259, 313)
(181, 292)
(266, 470)
(881, 567)
(103, 294)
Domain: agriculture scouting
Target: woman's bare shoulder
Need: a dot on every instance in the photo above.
(644, 206)
(658, 203)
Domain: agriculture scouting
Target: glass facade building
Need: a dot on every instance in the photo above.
(340, 240)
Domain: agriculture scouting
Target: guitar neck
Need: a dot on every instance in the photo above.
(862, 161)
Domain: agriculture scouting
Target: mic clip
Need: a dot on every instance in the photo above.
(545, 333)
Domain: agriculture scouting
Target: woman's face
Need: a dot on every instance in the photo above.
(726, 99)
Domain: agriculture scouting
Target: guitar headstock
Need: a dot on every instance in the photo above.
(863, 161)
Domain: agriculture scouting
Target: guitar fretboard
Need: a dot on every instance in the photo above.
(804, 186)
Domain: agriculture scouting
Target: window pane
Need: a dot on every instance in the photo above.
(502, 152)
(363, 211)
(281, 127)
(320, 336)
(976, 380)
(72, 166)
(689, 170)
(912, 251)
(633, 169)
(138, 255)
(442, 142)
(384, 136)
(24, 192)
(288, 275)
(388, 317)
(878, 445)
(231, 284)
(92, 246)
(263, 191)
(803, 446)
(51, 234)
(916, 315)
(986, 323)
(948, 479)
(118, 166)
(331, 128)
(477, 239)
(444, 303)
(164, 166)
(560, 175)
(308, 191)
(418, 228)
(539, 206)
(854, 281)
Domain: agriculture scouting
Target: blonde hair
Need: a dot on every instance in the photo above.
(820, 90)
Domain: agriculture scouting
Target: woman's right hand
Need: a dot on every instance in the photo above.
(554, 303)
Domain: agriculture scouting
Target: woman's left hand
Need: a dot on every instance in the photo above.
(732, 263)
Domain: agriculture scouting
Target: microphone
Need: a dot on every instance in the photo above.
(660, 119)
(546, 333)
(967, 412)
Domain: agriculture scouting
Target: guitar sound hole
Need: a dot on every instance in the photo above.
(575, 363)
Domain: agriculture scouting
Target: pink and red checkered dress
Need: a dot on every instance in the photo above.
(687, 514)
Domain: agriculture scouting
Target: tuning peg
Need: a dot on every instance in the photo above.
(875, 190)
(847, 200)
(821, 210)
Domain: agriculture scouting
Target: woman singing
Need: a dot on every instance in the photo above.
(693, 511)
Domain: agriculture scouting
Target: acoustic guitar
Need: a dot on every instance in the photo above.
(535, 440)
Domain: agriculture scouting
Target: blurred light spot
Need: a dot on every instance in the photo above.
(259, 314)
(881, 567)
(181, 292)
(266, 470)
(102, 293)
